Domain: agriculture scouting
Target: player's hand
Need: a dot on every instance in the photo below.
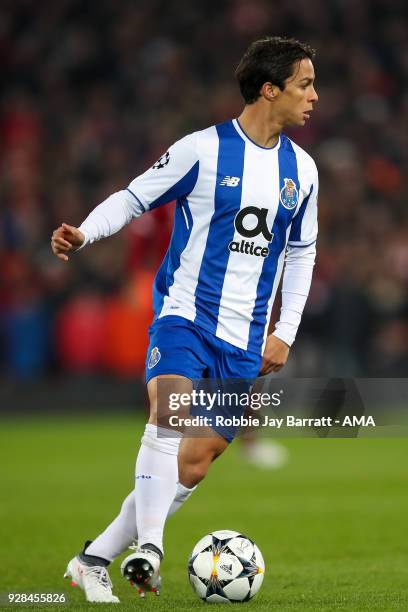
(65, 239)
(275, 355)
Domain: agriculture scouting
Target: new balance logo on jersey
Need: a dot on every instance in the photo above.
(230, 181)
(260, 227)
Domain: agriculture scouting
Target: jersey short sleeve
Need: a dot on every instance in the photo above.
(173, 176)
(304, 226)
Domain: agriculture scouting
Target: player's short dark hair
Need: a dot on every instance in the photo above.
(271, 59)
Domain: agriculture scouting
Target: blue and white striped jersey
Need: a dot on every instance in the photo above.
(243, 212)
(238, 207)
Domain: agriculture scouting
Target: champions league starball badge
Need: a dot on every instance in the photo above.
(289, 194)
(162, 161)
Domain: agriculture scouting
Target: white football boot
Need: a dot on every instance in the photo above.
(142, 569)
(92, 579)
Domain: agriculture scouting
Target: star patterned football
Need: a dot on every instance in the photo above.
(226, 566)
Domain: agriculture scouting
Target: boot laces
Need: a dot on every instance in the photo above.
(100, 576)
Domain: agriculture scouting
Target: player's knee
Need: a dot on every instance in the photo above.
(190, 474)
(193, 468)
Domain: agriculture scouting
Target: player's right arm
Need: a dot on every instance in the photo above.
(173, 176)
(66, 238)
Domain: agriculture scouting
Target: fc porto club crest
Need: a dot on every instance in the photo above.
(289, 194)
(154, 358)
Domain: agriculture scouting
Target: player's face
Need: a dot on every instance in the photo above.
(296, 101)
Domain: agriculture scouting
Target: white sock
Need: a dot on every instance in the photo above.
(122, 531)
(156, 483)
(182, 495)
(118, 535)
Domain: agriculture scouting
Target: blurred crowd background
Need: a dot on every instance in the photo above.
(94, 92)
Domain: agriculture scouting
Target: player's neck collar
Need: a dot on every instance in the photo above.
(244, 136)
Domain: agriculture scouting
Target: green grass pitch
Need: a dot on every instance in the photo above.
(331, 525)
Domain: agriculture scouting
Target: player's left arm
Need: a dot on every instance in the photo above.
(297, 277)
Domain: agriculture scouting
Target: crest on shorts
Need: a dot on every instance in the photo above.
(154, 358)
(289, 194)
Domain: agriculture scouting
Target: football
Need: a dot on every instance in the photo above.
(226, 566)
